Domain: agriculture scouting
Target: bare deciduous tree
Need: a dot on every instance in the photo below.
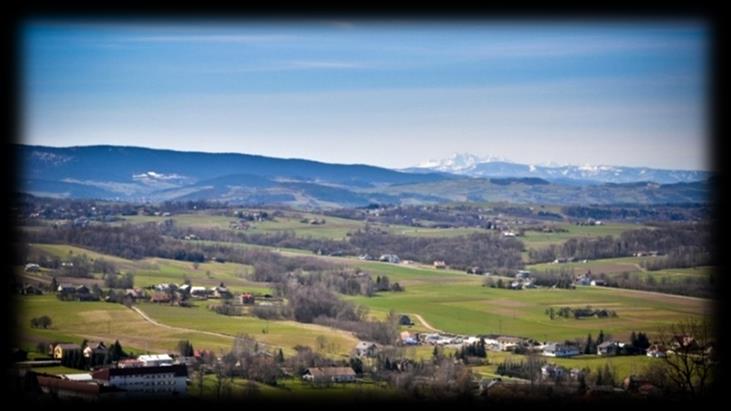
(689, 364)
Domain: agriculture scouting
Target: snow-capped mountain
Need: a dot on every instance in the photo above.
(490, 166)
(459, 162)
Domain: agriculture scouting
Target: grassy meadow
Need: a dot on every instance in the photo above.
(457, 302)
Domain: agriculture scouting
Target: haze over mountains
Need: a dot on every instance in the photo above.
(475, 166)
(143, 174)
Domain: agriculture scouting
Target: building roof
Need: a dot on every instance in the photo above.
(508, 339)
(155, 357)
(57, 383)
(96, 344)
(607, 344)
(330, 371)
(179, 370)
(77, 377)
(364, 345)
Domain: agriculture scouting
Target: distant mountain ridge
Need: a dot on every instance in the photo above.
(137, 173)
(144, 174)
(475, 166)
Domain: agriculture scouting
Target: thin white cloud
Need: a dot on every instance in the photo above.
(324, 64)
(213, 38)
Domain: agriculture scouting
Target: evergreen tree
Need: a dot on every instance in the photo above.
(589, 347)
(642, 341)
(280, 356)
(54, 284)
(355, 363)
(116, 352)
(600, 337)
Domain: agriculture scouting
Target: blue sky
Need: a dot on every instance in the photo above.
(392, 94)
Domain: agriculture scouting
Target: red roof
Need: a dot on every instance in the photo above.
(57, 383)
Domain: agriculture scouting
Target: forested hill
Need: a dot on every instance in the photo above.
(144, 174)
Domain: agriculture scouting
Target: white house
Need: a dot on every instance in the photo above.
(560, 350)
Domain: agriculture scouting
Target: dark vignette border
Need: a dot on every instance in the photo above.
(149, 11)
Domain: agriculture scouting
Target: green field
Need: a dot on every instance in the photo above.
(151, 271)
(536, 240)
(618, 266)
(456, 302)
(74, 321)
(292, 388)
(623, 365)
(335, 228)
(448, 300)
(285, 334)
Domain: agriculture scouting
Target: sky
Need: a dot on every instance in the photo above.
(386, 93)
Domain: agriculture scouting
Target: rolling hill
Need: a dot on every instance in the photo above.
(145, 174)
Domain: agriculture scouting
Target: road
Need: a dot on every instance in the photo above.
(426, 324)
(190, 330)
(142, 314)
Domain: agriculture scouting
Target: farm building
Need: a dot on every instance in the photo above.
(560, 350)
(32, 267)
(440, 264)
(329, 374)
(366, 349)
(608, 348)
(160, 297)
(94, 348)
(408, 339)
(506, 343)
(553, 371)
(135, 293)
(656, 351)
(389, 258)
(64, 388)
(62, 350)
(246, 298)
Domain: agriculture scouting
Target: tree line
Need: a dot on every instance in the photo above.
(687, 242)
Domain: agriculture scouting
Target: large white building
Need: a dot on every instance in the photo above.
(156, 380)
